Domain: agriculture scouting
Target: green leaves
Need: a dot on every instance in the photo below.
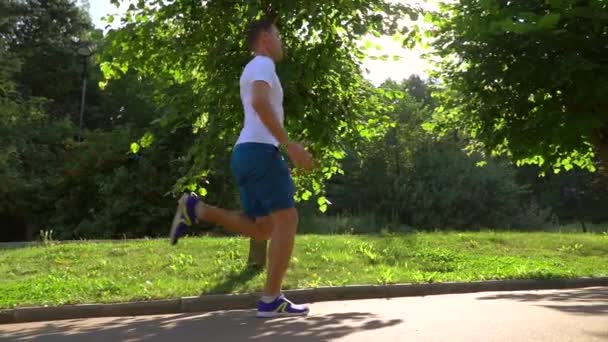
(529, 88)
(135, 148)
(549, 21)
(195, 53)
(144, 142)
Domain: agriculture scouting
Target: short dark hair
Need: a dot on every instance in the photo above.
(255, 28)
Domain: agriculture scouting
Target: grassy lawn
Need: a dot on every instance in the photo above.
(152, 269)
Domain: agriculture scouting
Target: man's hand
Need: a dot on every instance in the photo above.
(301, 158)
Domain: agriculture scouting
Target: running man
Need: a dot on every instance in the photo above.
(264, 179)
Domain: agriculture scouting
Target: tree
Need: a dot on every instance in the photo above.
(40, 84)
(31, 146)
(409, 177)
(44, 35)
(527, 79)
(195, 50)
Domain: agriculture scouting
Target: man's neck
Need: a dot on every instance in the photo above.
(263, 54)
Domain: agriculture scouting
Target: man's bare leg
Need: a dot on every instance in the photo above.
(282, 237)
(236, 221)
(281, 246)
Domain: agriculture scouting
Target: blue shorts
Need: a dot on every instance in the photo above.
(264, 179)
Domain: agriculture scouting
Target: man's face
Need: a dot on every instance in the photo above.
(274, 45)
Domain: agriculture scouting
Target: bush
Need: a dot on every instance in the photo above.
(532, 216)
(441, 188)
(448, 189)
(109, 192)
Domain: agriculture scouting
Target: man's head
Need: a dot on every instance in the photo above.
(263, 38)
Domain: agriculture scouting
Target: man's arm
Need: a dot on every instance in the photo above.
(261, 104)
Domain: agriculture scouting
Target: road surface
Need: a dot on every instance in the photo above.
(565, 315)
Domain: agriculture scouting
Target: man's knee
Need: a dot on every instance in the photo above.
(286, 219)
(264, 226)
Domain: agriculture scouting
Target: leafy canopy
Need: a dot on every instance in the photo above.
(526, 78)
(195, 51)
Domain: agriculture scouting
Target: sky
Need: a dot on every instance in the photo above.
(410, 63)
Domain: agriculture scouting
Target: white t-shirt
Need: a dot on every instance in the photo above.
(260, 68)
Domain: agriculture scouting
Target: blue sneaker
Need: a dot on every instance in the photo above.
(185, 216)
(281, 307)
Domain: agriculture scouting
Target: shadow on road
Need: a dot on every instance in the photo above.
(591, 301)
(219, 326)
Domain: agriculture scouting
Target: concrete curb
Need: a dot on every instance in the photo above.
(208, 303)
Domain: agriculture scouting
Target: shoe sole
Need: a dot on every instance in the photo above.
(176, 218)
(280, 314)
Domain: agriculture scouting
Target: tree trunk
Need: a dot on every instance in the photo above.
(30, 231)
(583, 225)
(600, 142)
(257, 253)
(580, 215)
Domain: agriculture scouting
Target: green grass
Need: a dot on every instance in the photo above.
(151, 269)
